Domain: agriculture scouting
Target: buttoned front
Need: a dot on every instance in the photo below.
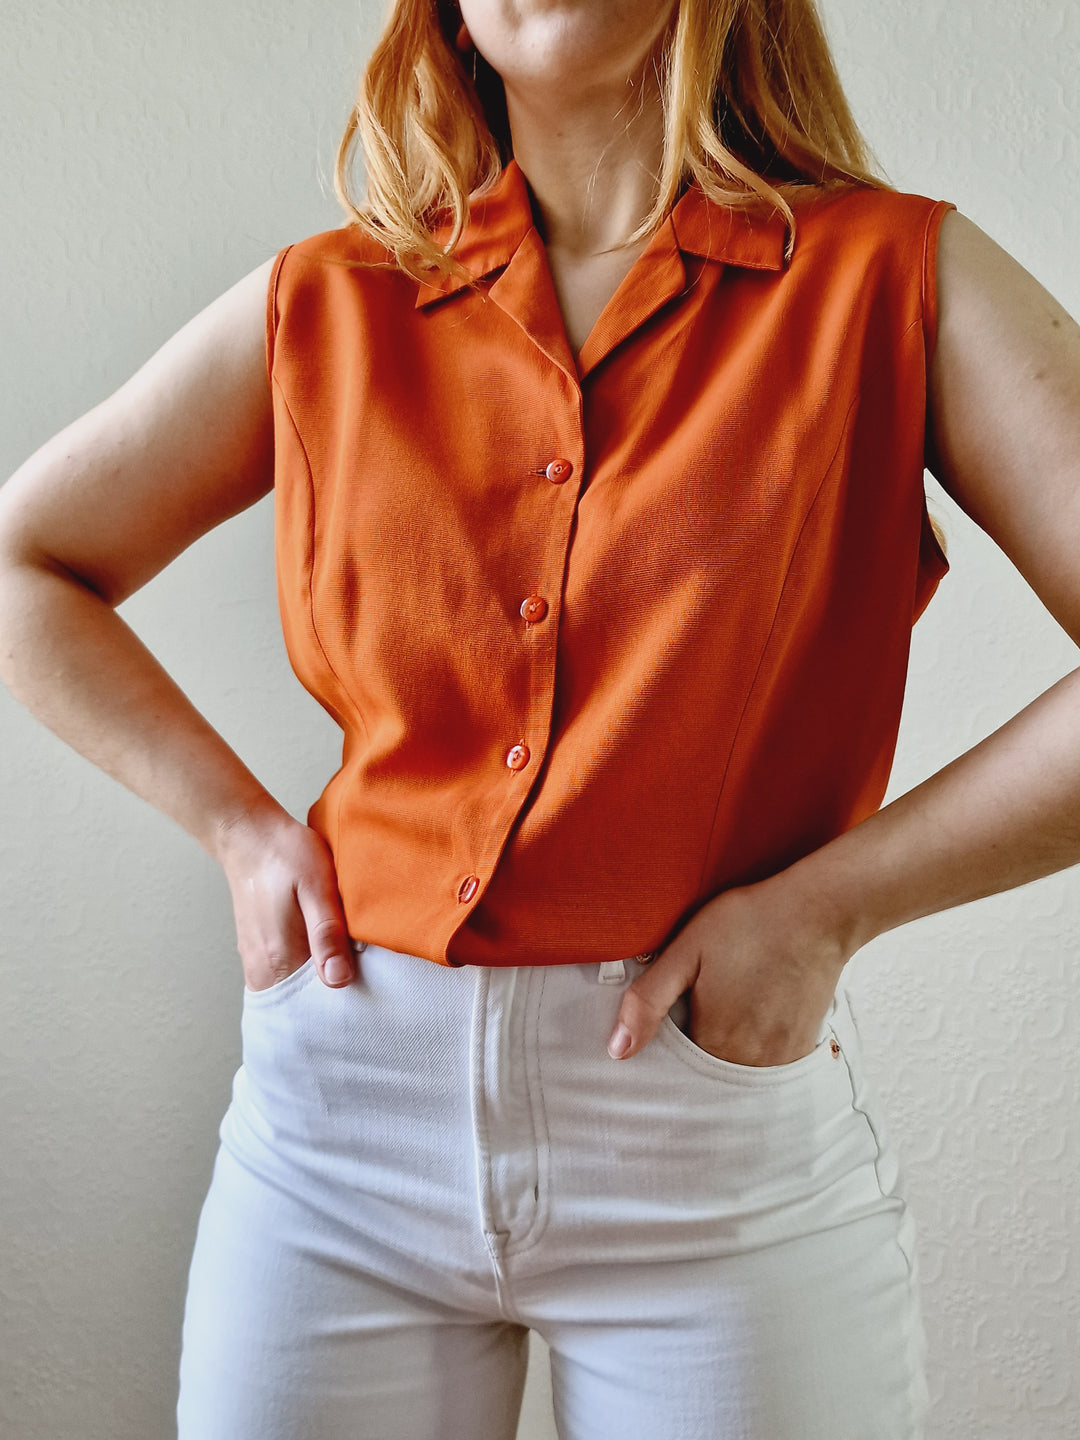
(716, 510)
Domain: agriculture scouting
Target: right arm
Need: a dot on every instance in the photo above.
(185, 444)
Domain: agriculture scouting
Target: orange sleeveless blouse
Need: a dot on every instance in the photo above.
(604, 635)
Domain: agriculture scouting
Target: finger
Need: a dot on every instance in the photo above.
(648, 1000)
(327, 936)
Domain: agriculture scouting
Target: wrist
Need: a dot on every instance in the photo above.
(815, 908)
(248, 820)
(832, 905)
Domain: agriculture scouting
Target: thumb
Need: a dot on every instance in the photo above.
(648, 999)
(327, 935)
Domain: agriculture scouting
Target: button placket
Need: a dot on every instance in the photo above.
(533, 609)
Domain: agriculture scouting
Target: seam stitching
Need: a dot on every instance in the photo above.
(535, 1233)
(346, 695)
(897, 1198)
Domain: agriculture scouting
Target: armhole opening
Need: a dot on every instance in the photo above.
(933, 561)
(929, 276)
(272, 311)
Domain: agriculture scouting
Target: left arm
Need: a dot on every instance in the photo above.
(763, 960)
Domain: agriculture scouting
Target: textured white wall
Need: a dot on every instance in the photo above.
(975, 1015)
(151, 155)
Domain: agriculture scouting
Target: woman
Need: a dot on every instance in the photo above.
(602, 540)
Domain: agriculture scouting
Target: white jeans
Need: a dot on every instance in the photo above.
(416, 1169)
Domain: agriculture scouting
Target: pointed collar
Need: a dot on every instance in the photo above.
(501, 217)
(733, 236)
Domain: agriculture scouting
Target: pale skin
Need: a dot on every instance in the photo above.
(187, 442)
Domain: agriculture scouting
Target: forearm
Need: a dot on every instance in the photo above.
(1003, 814)
(73, 661)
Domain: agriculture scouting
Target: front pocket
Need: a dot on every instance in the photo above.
(675, 1038)
(295, 980)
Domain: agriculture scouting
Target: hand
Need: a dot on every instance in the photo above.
(761, 967)
(285, 899)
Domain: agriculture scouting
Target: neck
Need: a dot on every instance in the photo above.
(593, 169)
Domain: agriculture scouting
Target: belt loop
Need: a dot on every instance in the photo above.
(612, 972)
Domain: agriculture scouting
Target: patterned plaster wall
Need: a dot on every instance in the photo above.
(151, 155)
(975, 1014)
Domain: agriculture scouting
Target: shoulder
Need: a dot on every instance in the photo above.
(344, 245)
(323, 287)
(867, 214)
(347, 247)
(870, 250)
(330, 261)
(867, 225)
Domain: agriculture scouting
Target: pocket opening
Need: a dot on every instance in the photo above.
(673, 1029)
(290, 982)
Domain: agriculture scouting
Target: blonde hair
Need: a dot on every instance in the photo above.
(753, 103)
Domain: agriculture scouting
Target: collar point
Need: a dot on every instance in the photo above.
(732, 234)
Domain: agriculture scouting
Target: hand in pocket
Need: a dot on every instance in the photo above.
(761, 972)
(285, 901)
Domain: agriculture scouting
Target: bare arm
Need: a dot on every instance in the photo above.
(1005, 412)
(94, 514)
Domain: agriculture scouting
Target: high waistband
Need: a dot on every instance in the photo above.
(610, 972)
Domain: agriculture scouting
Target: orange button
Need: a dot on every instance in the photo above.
(558, 471)
(534, 608)
(518, 757)
(468, 888)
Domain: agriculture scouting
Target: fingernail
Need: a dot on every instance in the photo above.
(337, 970)
(619, 1042)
